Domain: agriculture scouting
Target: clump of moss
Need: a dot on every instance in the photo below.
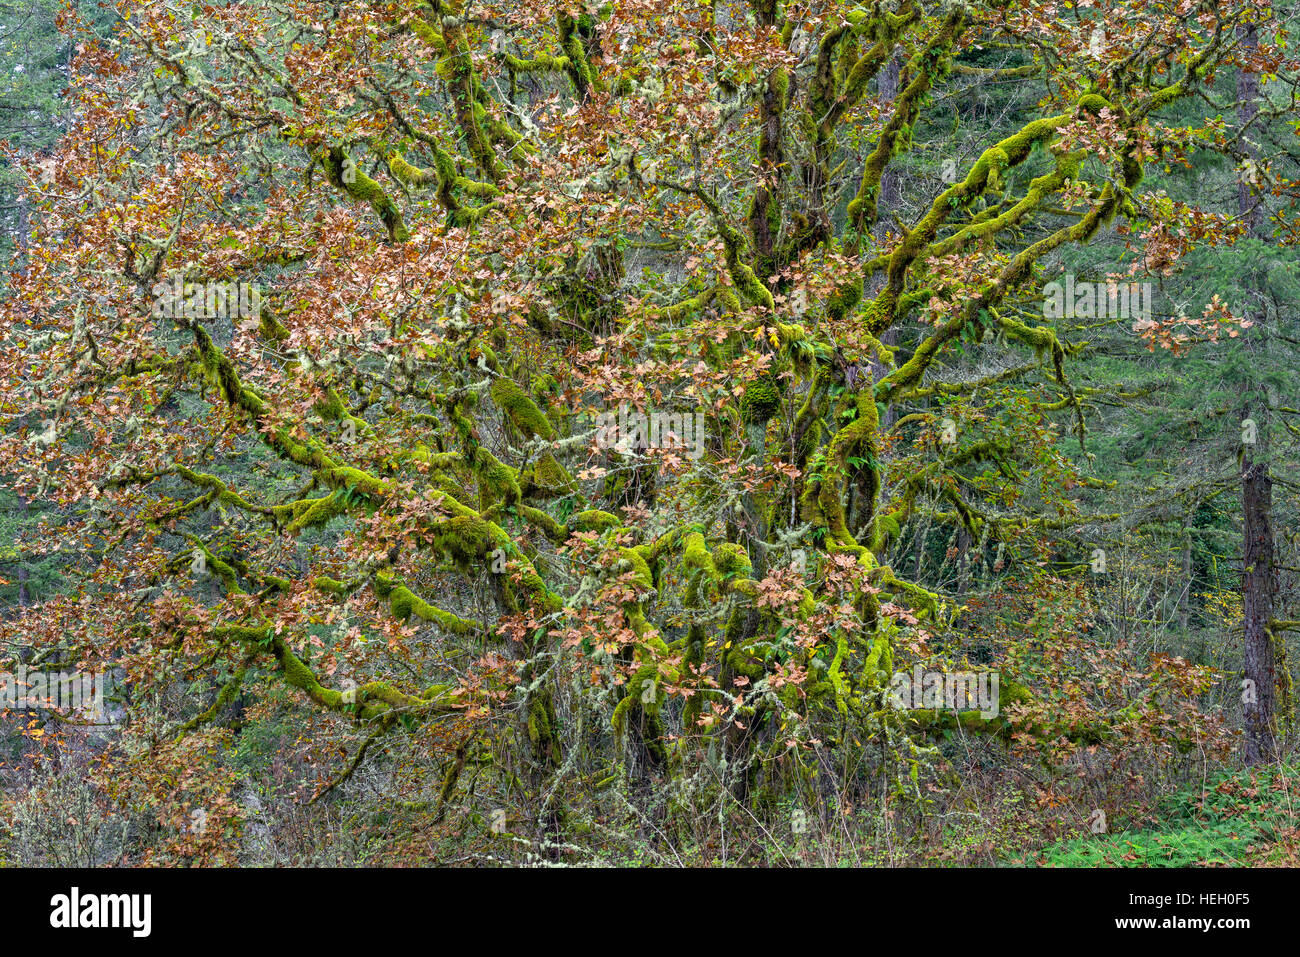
(637, 564)
(522, 411)
(550, 475)
(313, 512)
(843, 299)
(695, 554)
(731, 561)
(466, 540)
(760, 401)
(497, 481)
(593, 520)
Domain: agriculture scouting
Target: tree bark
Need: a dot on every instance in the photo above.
(1258, 588)
(1258, 576)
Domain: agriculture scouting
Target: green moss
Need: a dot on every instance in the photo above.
(635, 688)
(695, 554)
(498, 482)
(835, 675)
(843, 299)
(311, 513)
(360, 186)
(552, 476)
(730, 301)
(522, 411)
(594, 520)
(1093, 103)
(760, 401)
(333, 586)
(467, 540)
(541, 727)
(552, 529)
(639, 568)
(732, 561)
(348, 477)
(858, 434)
(404, 603)
(780, 83)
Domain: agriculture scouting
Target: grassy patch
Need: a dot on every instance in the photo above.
(1240, 819)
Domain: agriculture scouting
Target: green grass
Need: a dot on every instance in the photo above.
(1230, 819)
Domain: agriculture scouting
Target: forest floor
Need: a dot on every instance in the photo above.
(1247, 818)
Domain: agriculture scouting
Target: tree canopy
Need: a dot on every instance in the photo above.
(582, 415)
